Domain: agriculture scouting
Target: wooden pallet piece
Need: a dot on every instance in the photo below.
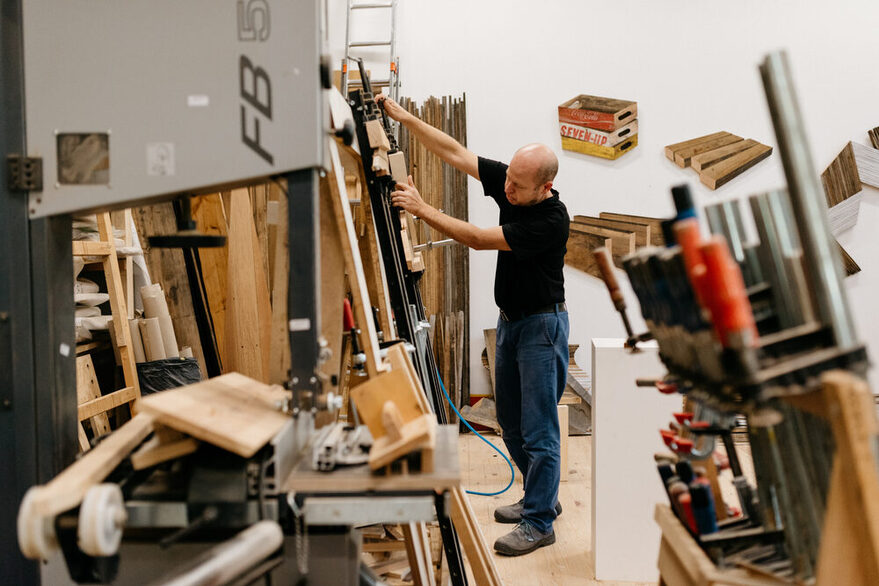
(725, 171)
(232, 411)
(622, 243)
(684, 155)
(580, 247)
(472, 541)
(642, 231)
(702, 161)
(248, 305)
(678, 146)
(656, 238)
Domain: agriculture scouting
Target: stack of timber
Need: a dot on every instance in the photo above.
(445, 286)
(718, 157)
(855, 166)
(601, 127)
(622, 234)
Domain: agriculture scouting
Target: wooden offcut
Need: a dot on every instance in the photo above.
(580, 247)
(622, 243)
(210, 217)
(840, 179)
(874, 137)
(232, 411)
(656, 238)
(725, 171)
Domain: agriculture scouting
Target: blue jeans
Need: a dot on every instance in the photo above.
(531, 370)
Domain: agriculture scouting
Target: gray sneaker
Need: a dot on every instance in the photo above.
(513, 513)
(523, 539)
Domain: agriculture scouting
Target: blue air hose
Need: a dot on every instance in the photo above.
(494, 447)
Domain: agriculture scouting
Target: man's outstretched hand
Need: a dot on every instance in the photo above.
(392, 108)
(406, 196)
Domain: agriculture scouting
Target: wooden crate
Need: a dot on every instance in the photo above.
(605, 152)
(599, 113)
(598, 137)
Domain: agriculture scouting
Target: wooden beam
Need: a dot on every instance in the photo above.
(672, 148)
(725, 171)
(642, 231)
(705, 160)
(655, 224)
(106, 402)
(210, 217)
(472, 541)
(90, 248)
(683, 156)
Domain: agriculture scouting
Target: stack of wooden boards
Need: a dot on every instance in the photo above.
(843, 180)
(387, 550)
(622, 234)
(717, 157)
(601, 127)
(445, 285)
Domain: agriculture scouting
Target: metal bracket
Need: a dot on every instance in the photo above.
(24, 173)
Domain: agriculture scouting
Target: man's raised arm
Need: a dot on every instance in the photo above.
(435, 140)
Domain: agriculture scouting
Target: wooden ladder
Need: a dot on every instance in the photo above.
(93, 405)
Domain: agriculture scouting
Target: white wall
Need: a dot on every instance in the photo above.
(692, 68)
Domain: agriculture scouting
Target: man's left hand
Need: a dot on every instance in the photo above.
(407, 197)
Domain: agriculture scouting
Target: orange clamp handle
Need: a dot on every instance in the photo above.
(605, 266)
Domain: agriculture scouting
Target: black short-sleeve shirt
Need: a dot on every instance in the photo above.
(530, 276)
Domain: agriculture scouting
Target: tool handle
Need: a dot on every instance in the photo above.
(347, 315)
(605, 266)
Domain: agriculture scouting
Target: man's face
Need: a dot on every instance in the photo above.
(521, 188)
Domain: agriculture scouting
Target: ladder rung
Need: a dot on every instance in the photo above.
(106, 402)
(91, 248)
(371, 44)
(372, 5)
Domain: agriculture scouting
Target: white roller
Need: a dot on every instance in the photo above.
(151, 333)
(102, 517)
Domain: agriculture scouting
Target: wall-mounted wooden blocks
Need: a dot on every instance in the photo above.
(600, 127)
(622, 234)
(717, 157)
(874, 137)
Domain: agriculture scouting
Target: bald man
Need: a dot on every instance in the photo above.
(531, 359)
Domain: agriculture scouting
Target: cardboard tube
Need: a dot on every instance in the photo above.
(151, 333)
(156, 306)
(136, 342)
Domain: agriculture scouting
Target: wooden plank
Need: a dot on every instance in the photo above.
(840, 179)
(210, 217)
(248, 305)
(655, 224)
(472, 540)
(705, 160)
(232, 411)
(279, 343)
(622, 243)
(409, 437)
(332, 277)
(399, 360)
(354, 265)
(683, 156)
(580, 247)
(157, 450)
(106, 402)
(90, 248)
(642, 231)
(167, 267)
(731, 168)
(671, 149)
(418, 552)
(67, 490)
(490, 337)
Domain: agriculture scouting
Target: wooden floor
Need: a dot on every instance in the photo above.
(567, 562)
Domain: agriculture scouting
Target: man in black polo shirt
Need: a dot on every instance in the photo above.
(531, 359)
